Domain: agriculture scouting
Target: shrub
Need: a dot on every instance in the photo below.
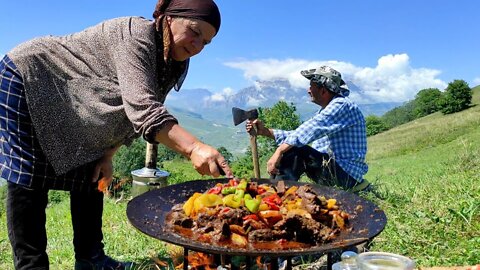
(457, 97)
(375, 125)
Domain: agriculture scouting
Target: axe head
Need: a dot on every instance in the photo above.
(240, 115)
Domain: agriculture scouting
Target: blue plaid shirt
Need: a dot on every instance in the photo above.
(337, 130)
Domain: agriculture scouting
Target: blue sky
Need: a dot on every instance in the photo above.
(390, 49)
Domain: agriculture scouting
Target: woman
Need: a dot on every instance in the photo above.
(68, 103)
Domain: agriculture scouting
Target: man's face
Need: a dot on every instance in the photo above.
(316, 93)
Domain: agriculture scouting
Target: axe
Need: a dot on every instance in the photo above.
(239, 116)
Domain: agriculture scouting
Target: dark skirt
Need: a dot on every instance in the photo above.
(22, 161)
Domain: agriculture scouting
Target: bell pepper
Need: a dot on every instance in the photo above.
(188, 205)
(331, 203)
(233, 182)
(232, 201)
(228, 190)
(242, 185)
(274, 201)
(263, 207)
(239, 193)
(215, 190)
(251, 216)
(206, 200)
(252, 204)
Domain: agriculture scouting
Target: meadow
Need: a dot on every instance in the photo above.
(425, 176)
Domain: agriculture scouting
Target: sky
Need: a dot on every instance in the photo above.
(390, 49)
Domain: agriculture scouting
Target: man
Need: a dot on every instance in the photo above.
(336, 133)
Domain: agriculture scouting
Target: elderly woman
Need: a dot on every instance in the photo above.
(68, 103)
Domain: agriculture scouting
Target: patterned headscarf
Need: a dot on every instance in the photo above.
(204, 10)
(328, 77)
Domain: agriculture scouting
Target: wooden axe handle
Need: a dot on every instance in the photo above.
(253, 145)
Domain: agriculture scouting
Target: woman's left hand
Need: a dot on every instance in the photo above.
(104, 167)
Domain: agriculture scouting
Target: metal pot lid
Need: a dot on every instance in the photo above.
(150, 173)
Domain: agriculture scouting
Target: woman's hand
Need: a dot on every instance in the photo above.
(104, 167)
(208, 161)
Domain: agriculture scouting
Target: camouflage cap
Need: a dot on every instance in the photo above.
(328, 77)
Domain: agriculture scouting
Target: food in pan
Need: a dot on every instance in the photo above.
(247, 214)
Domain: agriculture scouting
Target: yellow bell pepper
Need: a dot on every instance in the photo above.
(188, 205)
(331, 203)
(206, 200)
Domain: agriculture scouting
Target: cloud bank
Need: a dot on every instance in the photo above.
(476, 82)
(393, 79)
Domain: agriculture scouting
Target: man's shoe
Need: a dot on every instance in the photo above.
(104, 263)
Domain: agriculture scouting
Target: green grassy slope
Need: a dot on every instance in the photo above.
(427, 177)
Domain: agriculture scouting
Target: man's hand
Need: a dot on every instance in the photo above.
(208, 161)
(273, 163)
(261, 129)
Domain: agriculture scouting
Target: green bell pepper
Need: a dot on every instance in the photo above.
(228, 190)
(232, 201)
(252, 204)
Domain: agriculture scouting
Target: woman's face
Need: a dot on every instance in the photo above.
(189, 36)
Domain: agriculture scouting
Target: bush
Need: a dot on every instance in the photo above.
(375, 125)
(427, 101)
(457, 97)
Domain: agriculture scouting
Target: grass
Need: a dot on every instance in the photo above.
(426, 175)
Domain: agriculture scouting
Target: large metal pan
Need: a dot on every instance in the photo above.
(148, 211)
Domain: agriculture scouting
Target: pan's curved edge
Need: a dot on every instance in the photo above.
(147, 213)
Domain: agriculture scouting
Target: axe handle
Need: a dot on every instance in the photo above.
(253, 145)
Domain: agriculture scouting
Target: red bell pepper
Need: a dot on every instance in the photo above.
(215, 190)
(251, 216)
(273, 201)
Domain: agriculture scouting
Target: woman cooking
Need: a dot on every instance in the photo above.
(68, 103)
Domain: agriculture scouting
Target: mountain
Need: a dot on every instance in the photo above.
(208, 115)
(217, 107)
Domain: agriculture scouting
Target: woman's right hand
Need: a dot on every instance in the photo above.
(208, 161)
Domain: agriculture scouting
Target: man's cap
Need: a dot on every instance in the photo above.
(328, 77)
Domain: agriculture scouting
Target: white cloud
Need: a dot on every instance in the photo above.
(222, 96)
(392, 79)
(476, 82)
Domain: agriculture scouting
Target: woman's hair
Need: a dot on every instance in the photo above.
(205, 10)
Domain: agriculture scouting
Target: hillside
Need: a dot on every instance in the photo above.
(427, 175)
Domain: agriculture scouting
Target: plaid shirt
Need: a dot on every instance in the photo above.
(337, 130)
(22, 161)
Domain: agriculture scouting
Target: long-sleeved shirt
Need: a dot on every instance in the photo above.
(338, 130)
(95, 89)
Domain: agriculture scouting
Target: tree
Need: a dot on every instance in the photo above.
(457, 97)
(225, 153)
(399, 115)
(375, 125)
(129, 158)
(427, 101)
(281, 116)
